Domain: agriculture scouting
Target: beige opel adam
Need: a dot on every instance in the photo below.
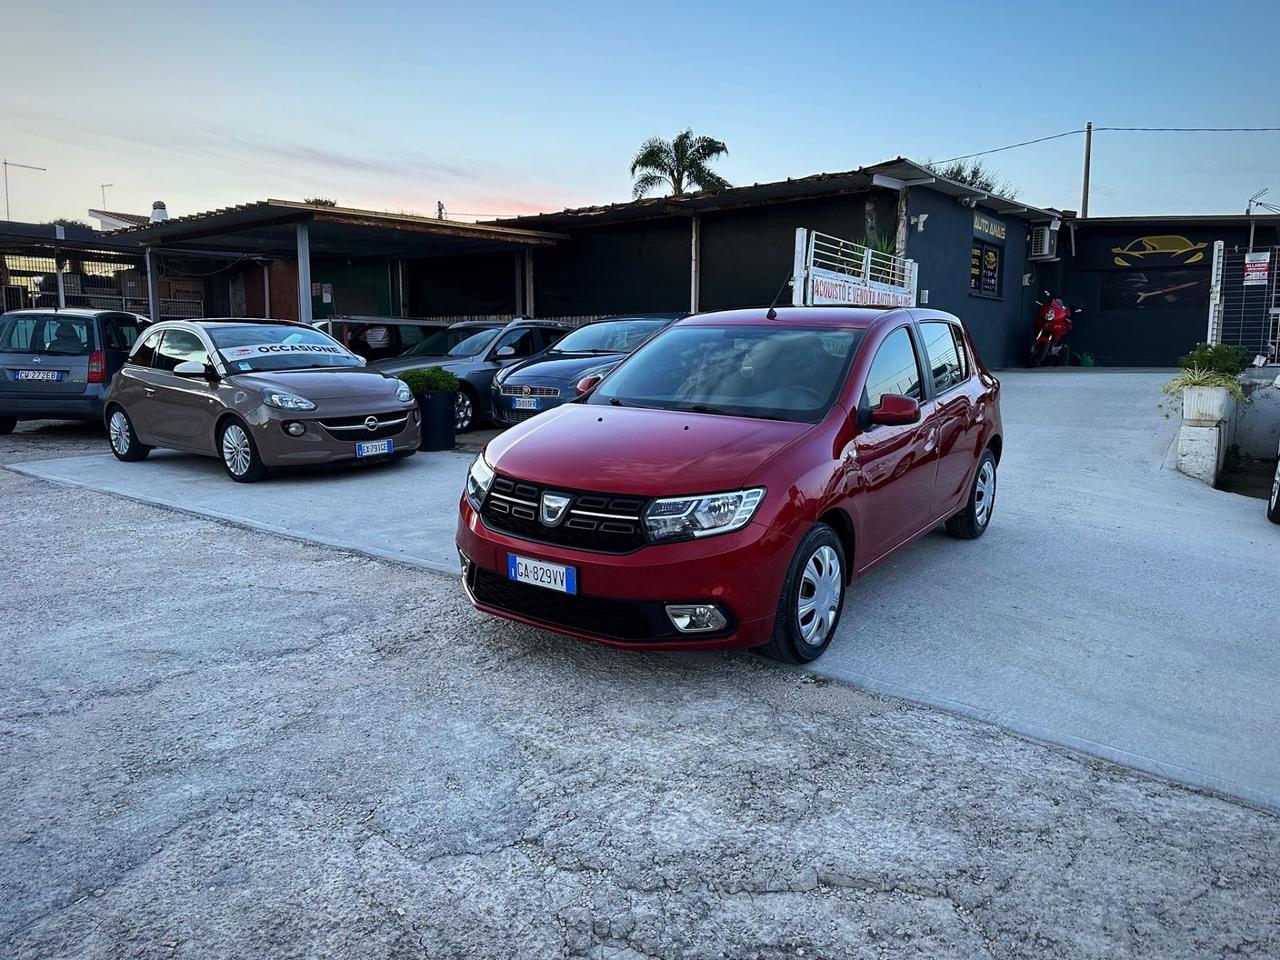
(256, 394)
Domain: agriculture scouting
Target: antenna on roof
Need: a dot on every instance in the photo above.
(771, 313)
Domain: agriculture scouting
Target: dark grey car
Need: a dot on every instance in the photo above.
(474, 352)
(56, 364)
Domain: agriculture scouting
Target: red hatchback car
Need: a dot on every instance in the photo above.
(725, 484)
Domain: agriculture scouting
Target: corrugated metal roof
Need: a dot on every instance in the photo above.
(890, 174)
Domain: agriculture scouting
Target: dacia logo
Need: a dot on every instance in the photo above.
(554, 507)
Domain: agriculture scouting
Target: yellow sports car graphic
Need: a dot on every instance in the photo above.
(1166, 249)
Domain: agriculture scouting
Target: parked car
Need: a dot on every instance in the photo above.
(474, 352)
(527, 388)
(56, 364)
(1273, 503)
(378, 338)
(256, 394)
(724, 484)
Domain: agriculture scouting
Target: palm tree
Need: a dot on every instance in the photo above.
(679, 164)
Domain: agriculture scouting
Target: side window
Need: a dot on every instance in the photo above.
(120, 332)
(145, 355)
(946, 357)
(18, 333)
(179, 346)
(550, 335)
(894, 370)
(525, 342)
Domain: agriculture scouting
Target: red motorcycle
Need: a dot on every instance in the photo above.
(1053, 323)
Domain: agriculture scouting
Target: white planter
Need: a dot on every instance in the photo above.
(1205, 406)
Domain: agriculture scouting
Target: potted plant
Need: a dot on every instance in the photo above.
(1206, 394)
(436, 391)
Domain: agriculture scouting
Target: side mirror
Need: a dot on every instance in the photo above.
(895, 410)
(505, 353)
(586, 385)
(190, 368)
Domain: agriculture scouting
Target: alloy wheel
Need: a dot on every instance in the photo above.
(821, 588)
(1275, 487)
(463, 411)
(118, 429)
(984, 494)
(236, 452)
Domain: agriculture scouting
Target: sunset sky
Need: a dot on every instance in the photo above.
(500, 108)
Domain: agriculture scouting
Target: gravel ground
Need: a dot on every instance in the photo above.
(217, 743)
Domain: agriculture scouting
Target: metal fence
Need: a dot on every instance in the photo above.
(94, 279)
(1244, 300)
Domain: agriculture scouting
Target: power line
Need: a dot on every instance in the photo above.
(1068, 133)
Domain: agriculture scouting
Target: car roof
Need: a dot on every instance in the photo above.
(858, 318)
(83, 312)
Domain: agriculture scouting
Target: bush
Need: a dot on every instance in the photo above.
(1201, 377)
(432, 378)
(1223, 358)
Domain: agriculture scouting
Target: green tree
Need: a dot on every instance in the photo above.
(976, 174)
(320, 201)
(679, 164)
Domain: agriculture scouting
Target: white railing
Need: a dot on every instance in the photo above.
(831, 270)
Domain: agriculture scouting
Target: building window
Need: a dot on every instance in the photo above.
(986, 266)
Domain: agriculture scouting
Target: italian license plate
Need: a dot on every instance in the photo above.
(526, 403)
(552, 576)
(374, 448)
(52, 375)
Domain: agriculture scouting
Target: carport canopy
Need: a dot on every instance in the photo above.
(294, 230)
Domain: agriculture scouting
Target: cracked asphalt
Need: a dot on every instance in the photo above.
(216, 743)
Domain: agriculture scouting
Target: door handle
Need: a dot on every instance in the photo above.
(150, 391)
(931, 440)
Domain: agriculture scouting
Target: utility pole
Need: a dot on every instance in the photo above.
(1088, 153)
(103, 187)
(7, 164)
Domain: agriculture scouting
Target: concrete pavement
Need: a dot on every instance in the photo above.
(1114, 605)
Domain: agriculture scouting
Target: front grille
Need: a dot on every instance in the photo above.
(530, 391)
(603, 522)
(517, 416)
(354, 429)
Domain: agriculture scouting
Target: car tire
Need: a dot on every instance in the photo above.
(238, 453)
(812, 599)
(1039, 353)
(465, 408)
(123, 438)
(1273, 504)
(7, 424)
(972, 522)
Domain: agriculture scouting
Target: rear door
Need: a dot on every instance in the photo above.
(955, 394)
(45, 355)
(117, 332)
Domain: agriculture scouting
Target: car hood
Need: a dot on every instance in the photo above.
(638, 451)
(328, 384)
(567, 367)
(394, 365)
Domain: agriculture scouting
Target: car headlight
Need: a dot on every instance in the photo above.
(684, 518)
(479, 477)
(403, 393)
(286, 401)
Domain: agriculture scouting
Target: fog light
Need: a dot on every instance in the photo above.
(695, 617)
(294, 429)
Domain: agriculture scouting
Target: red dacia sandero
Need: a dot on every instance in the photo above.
(725, 484)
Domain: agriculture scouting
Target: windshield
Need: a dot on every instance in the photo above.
(455, 342)
(611, 336)
(260, 346)
(777, 373)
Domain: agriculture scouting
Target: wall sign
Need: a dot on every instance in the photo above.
(984, 269)
(984, 226)
(1256, 268)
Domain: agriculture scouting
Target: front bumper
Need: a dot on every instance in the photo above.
(504, 410)
(318, 445)
(622, 597)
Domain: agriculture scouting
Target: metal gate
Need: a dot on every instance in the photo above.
(1244, 300)
(829, 270)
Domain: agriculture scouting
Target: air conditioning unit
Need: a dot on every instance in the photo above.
(1044, 243)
